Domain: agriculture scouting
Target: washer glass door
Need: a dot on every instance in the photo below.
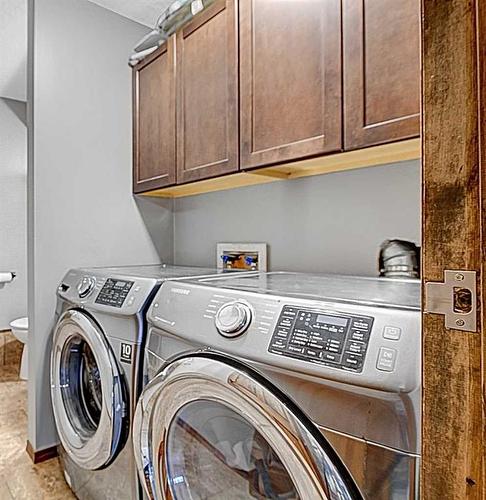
(208, 427)
(87, 392)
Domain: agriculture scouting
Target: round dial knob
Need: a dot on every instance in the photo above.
(233, 318)
(85, 286)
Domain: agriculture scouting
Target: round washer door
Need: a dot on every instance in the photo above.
(87, 390)
(209, 427)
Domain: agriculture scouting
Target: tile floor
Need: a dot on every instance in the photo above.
(19, 477)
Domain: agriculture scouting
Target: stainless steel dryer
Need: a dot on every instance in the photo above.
(281, 385)
(96, 372)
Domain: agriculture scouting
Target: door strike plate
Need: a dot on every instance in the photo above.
(455, 298)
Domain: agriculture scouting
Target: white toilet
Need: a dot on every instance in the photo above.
(20, 329)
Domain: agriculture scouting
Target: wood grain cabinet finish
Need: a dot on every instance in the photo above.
(154, 121)
(207, 94)
(290, 80)
(381, 71)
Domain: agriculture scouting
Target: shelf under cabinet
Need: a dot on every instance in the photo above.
(372, 156)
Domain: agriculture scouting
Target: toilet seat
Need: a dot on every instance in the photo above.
(20, 324)
(20, 329)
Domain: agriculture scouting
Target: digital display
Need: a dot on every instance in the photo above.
(121, 284)
(332, 320)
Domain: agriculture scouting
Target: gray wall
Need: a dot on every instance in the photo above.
(80, 211)
(13, 49)
(329, 223)
(13, 217)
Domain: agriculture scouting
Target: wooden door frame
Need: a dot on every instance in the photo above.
(453, 217)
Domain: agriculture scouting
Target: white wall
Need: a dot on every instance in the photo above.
(146, 12)
(328, 223)
(81, 211)
(13, 208)
(13, 49)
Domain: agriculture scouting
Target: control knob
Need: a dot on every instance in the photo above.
(85, 286)
(233, 318)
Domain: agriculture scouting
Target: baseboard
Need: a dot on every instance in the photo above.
(41, 455)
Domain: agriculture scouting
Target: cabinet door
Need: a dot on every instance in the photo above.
(207, 91)
(154, 126)
(290, 80)
(381, 71)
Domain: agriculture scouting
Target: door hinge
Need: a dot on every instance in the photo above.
(455, 297)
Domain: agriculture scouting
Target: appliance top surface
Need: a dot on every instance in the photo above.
(158, 272)
(120, 291)
(381, 292)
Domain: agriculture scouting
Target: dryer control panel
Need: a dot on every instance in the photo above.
(337, 340)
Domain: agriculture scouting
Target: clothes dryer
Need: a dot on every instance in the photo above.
(282, 385)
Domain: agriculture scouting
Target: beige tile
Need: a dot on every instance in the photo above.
(9, 373)
(3, 335)
(13, 350)
(10, 349)
(4, 491)
(20, 479)
(43, 480)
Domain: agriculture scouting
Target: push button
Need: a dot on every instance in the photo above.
(332, 358)
(361, 323)
(392, 332)
(353, 361)
(386, 359)
(360, 335)
(312, 353)
(279, 344)
(298, 350)
(290, 311)
(299, 342)
(356, 347)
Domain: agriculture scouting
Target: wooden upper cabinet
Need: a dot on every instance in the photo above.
(290, 80)
(154, 126)
(381, 71)
(207, 94)
(257, 83)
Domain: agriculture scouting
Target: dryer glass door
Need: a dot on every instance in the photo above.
(208, 427)
(87, 392)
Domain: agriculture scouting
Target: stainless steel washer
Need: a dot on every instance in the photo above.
(281, 385)
(96, 372)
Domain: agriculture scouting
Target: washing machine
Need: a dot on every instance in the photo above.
(96, 363)
(281, 386)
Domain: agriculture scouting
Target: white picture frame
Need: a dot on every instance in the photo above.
(259, 248)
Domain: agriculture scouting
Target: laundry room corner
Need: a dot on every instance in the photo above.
(79, 168)
(242, 249)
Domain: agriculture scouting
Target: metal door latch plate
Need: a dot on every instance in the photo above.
(455, 298)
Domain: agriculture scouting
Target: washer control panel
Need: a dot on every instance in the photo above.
(337, 340)
(114, 292)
